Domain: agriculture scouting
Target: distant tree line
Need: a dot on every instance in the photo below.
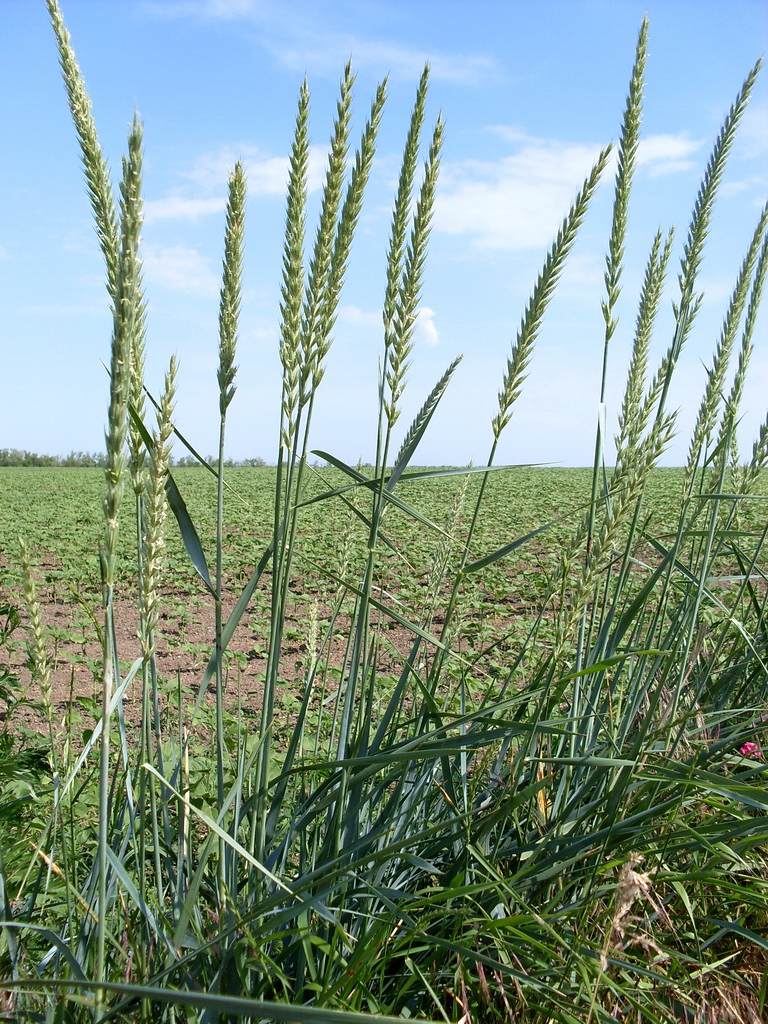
(21, 457)
(190, 460)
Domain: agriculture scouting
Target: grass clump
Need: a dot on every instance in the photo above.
(572, 831)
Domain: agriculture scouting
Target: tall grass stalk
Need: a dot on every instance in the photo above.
(517, 366)
(713, 394)
(229, 314)
(127, 315)
(555, 824)
(733, 402)
(310, 302)
(95, 166)
(687, 308)
(627, 159)
(405, 265)
(685, 312)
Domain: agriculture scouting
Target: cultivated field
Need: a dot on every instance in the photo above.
(58, 511)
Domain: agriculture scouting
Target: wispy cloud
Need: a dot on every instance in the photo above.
(230, 8)
(400, 62)
(752, 146)
(262, 333)
(360, 317)
(753, 133)
(667, 154)
(64, 309)
(735, 188)
(305, 42)
(425, 330)
(179, 269)
(207, 178)
(267, 175)
(716, 291)
(180, 208)
(583, 275)
(213, 9)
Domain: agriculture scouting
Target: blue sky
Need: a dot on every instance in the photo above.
(529, 93)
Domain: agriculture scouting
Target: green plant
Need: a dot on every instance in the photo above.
(567, 823)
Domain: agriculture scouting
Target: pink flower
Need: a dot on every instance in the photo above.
(750, 750)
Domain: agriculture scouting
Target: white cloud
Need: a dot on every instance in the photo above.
(734, 188)
(424, 327)
(654, 148)
(209, 173)
(266, 175)
(223, 10)
(359, 317)
(517, 202)
(62, 309)
(667, 154)
(229, 8)
(715, 292)
(262, 333)
(179, 269)
(426, 332)
(458, 68)
(583, 273)
(510, 133)
(179, 208)
(660, 153)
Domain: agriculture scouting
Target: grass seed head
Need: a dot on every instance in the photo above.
(292, 291)
(713, 393)
(229, 304)
(96, 170)
(522, 350)
(39, 661)
(627, 159)
(156, 513)
(127, 321)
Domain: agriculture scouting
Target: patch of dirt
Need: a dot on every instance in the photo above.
(185, 642)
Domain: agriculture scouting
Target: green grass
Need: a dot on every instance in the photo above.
(518, 771)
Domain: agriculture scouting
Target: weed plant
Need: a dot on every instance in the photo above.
(577, 835)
